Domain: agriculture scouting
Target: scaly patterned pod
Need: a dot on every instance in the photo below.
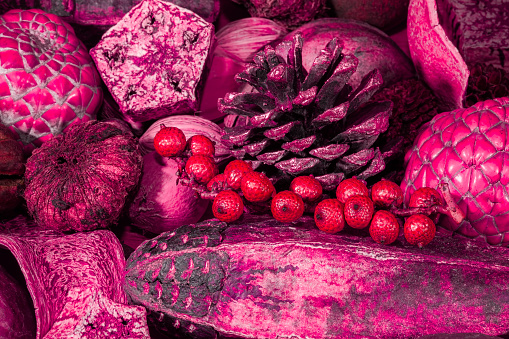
(263, 279)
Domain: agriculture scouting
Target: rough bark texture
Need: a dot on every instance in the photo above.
(478, 28)
(153, 60)
(75, 282)
(437, 61)
(260, 278)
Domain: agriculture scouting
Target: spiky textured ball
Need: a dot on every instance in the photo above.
(234, 172)
(199, 144)
(385, 193)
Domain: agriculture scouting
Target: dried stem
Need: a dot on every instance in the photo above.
(451, 209)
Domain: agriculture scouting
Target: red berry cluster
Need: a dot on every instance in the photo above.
(355, 205)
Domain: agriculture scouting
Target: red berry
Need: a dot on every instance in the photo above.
(425, 197)
(201, 145)
(307, 187)
(287, 206)
(419, 230)
(386, 193)
(384, 228)
(349, 188)
(358, 211)
(201, 168)
(234, 172)
(256, 187)
(329, 216)
(227, 206)
(217, 183)
(169, 141)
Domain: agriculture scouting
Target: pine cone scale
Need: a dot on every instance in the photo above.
(312, 123)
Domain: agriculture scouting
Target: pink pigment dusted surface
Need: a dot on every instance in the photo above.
(258, 278)
(75, 282)
(467, 149)
(153, 60)
(47, 78)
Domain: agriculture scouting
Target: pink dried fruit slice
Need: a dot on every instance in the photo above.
(221, 277)
(154, 59)
(75, 282)
(437, 61)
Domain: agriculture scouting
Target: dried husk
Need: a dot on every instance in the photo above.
(80, 180)
(74, 281)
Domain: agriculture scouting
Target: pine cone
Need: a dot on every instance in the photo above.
(312, 123)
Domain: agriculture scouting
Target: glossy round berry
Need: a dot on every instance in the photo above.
(329, 216)
(358, 211)
(351, 187)
(218, 182)
(385, 193)
(419, 230)
(227, 206)
(256, 187)
(425, 197)
(234, 172)
(384, 227)
(287, 206)
(307, 187)
(170, 141)
(201, 145)
(201, 168)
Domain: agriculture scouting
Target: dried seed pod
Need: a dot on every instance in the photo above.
(80, 179)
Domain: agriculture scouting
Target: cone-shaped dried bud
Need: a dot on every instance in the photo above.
(302, 123)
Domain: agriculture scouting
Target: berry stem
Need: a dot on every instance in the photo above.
(451, 208)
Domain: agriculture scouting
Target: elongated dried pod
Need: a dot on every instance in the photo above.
(259, 278)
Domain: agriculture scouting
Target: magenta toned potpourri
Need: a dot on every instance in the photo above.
(47, 78)
(255, 278)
